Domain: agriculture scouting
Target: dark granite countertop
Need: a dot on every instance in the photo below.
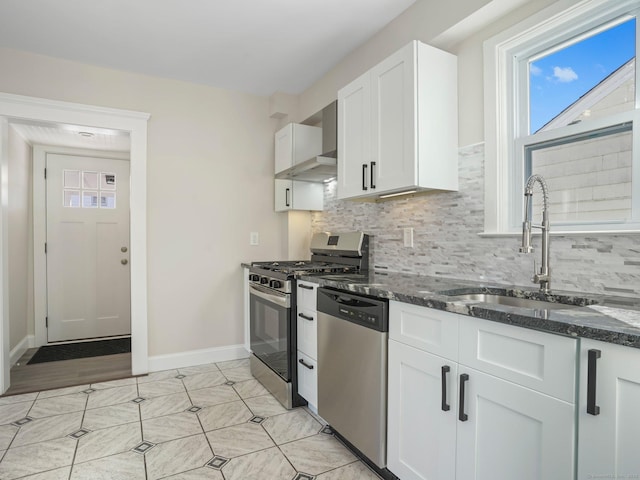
(605, 318)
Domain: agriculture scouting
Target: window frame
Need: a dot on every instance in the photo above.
(506, 80)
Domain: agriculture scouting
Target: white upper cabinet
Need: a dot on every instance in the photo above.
(398, 125)
(296, 143)
(294, 195)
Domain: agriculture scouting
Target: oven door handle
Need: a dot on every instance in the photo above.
(281, 299)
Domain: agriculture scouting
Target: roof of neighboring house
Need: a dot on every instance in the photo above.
(593, 96)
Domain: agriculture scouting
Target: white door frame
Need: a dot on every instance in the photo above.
(38, 109)
(40, 227)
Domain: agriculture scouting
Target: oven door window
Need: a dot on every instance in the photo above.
(269, 334)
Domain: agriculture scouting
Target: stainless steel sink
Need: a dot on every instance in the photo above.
(510, 301)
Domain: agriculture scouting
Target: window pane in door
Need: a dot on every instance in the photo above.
(89, 199)
(589, 177)
(107, 181)
(71, 198)
(71, 179)
(107, 199)
(585, 79)
(90, 180)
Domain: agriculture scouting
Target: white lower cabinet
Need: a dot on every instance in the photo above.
(308, 379)
(511, 432)
(450, 421)
(421, 429)
(609, 411)
(307, 336)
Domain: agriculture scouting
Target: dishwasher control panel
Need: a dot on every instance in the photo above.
(359, 315)
(365, 311)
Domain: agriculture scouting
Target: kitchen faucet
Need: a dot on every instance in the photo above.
(544, 276)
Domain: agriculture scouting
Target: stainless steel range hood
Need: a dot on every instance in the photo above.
(323, 167)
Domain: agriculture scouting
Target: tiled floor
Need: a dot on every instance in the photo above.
(207, 422)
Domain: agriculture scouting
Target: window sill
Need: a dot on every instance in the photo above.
(560, 233)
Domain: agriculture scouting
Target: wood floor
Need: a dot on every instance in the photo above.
(46, 376)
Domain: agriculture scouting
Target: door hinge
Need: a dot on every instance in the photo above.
(45, 247)
(46, 322)
(45, 173)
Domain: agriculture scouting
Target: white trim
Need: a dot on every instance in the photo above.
(16, 352)
(563, 233)
(39, 109)
(192, 358)
(5, 364)
(500, 86)
(40, 228)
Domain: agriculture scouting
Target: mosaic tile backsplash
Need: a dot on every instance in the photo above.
(446, 240)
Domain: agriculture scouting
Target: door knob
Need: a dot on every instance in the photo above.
(123, 249)
(124, 261)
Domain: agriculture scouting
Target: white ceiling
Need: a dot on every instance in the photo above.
(254, 46)
(72, 136)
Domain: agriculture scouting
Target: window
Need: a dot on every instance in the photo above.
(94, 185)
(560, 100)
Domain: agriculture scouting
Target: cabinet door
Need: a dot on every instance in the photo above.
(421, 435)
(292, 195)
(307, 295)
(354, 138)
(394, 122)
(283, 195)
(284, 148)
(308, 380)
(512, 432)
(307, 322)
(608, 443)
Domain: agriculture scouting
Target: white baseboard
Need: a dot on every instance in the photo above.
(196, 357)
(29, 341)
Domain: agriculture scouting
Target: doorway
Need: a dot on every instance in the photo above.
(87, 247)
(14, 108)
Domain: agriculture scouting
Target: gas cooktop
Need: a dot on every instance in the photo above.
(303, 267)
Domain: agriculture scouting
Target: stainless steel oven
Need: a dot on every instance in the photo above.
(272, 315)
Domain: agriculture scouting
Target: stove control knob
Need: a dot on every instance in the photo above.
(254, 278)
(275, 284)
(264, 280)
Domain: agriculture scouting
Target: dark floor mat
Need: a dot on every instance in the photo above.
(70, 351)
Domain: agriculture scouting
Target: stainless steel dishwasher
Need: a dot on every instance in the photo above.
(352, 369)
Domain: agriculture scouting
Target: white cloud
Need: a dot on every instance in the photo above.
(564, 75)
(535, 70)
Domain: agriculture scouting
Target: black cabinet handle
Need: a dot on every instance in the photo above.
(286, 197)
(306, 317)
(593, 356)
(310, 367)
(306, 287)
(364, 176)
(445, 369)
(463, 417)
(373, 183)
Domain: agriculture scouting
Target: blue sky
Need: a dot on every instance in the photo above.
(559, 79)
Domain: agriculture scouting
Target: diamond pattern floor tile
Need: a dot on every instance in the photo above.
(109, 436)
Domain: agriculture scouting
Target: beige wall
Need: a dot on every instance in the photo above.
(19, 190)
(210, 183)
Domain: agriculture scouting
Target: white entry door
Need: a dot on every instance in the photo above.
(88, 281)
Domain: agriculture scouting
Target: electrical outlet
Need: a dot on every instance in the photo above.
(408, 237)
(254, 238)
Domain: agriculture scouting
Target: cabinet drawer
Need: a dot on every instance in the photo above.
(308, 379)
(541, 361)
(307, 322)
(431, 330)
(307, 295)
